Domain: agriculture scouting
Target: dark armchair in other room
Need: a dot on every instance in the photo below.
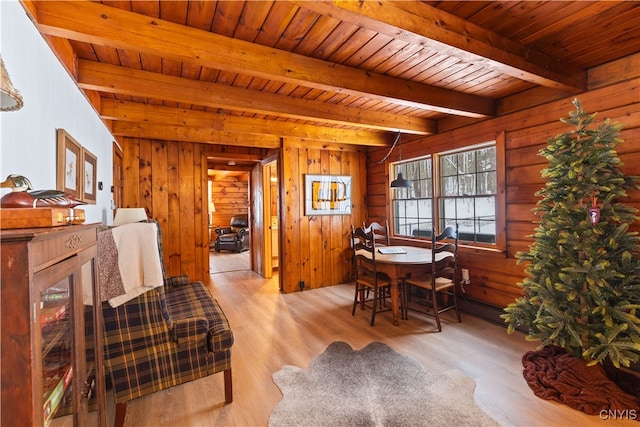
(235, 237)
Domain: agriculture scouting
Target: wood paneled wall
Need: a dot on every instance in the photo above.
(316, 248)
(494, 275)
(168, 179)
(231, 197)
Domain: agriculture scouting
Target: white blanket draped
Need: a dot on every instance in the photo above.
(128, 262)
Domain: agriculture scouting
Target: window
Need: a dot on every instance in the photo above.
(468, 190)
(464, 191)
(413, 207)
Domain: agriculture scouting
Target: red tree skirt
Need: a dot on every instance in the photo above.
(553, 374)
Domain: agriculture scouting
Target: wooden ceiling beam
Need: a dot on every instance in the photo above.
(210, 135)
(192, 134)
(220, 166)
(95, 23)
(226, 157)
(158, 114)
(423, 25)
(146, 84)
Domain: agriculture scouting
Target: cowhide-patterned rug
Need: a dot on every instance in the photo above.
(374, 386)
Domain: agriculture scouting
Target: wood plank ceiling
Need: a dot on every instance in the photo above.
(245, 73)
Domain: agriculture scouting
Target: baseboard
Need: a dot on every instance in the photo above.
(485, 311)
(492, 314)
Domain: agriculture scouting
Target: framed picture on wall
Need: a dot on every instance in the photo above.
(69, 165)
(327, 195)
(89, 171)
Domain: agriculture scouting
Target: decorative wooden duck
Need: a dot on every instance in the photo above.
(24, 196)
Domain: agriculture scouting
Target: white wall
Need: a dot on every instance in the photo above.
(51, 101)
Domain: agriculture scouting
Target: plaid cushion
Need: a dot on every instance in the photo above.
(176, 281)
(142, 356)
(197, 316)
(165, 337)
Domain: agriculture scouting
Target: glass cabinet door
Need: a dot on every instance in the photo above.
(92, 398)
(56, 325)
(69, 370)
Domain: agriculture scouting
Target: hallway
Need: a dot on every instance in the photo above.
(226, 261)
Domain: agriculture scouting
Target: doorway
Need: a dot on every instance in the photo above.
(118, 181)
(271, 218)
(228, 198)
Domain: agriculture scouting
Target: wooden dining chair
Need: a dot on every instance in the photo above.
(438, 280)
(382, 238)
(371, 286)
(380, 232)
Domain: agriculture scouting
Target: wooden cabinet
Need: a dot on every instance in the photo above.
(51, 340)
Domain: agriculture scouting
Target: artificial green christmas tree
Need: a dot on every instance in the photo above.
(582, 292)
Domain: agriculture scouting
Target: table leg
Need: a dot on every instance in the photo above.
(394, 301)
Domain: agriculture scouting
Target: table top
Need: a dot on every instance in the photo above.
(411, 255)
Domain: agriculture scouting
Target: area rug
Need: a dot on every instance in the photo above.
(374, 386)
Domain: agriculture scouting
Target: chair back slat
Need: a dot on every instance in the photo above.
(446, 241)
(380, 232)
(361, 240)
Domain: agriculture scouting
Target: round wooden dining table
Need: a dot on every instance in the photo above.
(398, 264)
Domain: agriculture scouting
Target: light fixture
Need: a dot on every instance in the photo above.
(129, 215)
(400, 182)
(10, 98)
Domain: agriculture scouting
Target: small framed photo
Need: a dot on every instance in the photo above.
(327, 195)
(69, 165)
(89, 171)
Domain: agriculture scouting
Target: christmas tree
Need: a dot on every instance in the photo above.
(582, 290)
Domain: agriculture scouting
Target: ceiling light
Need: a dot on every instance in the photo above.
(400, 182)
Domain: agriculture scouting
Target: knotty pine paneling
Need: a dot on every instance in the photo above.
(316, 248)
(494, 275)
(231, 197)
(166, 178)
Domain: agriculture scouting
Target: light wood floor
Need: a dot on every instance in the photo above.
(226, 261)
(272, 330)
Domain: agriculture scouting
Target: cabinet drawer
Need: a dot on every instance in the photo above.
(56, 246)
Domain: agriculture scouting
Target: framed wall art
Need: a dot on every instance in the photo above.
(69, 165)
(89, 169)
(327, 195)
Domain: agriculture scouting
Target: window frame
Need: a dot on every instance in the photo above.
(436, 198)
(430, 197)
